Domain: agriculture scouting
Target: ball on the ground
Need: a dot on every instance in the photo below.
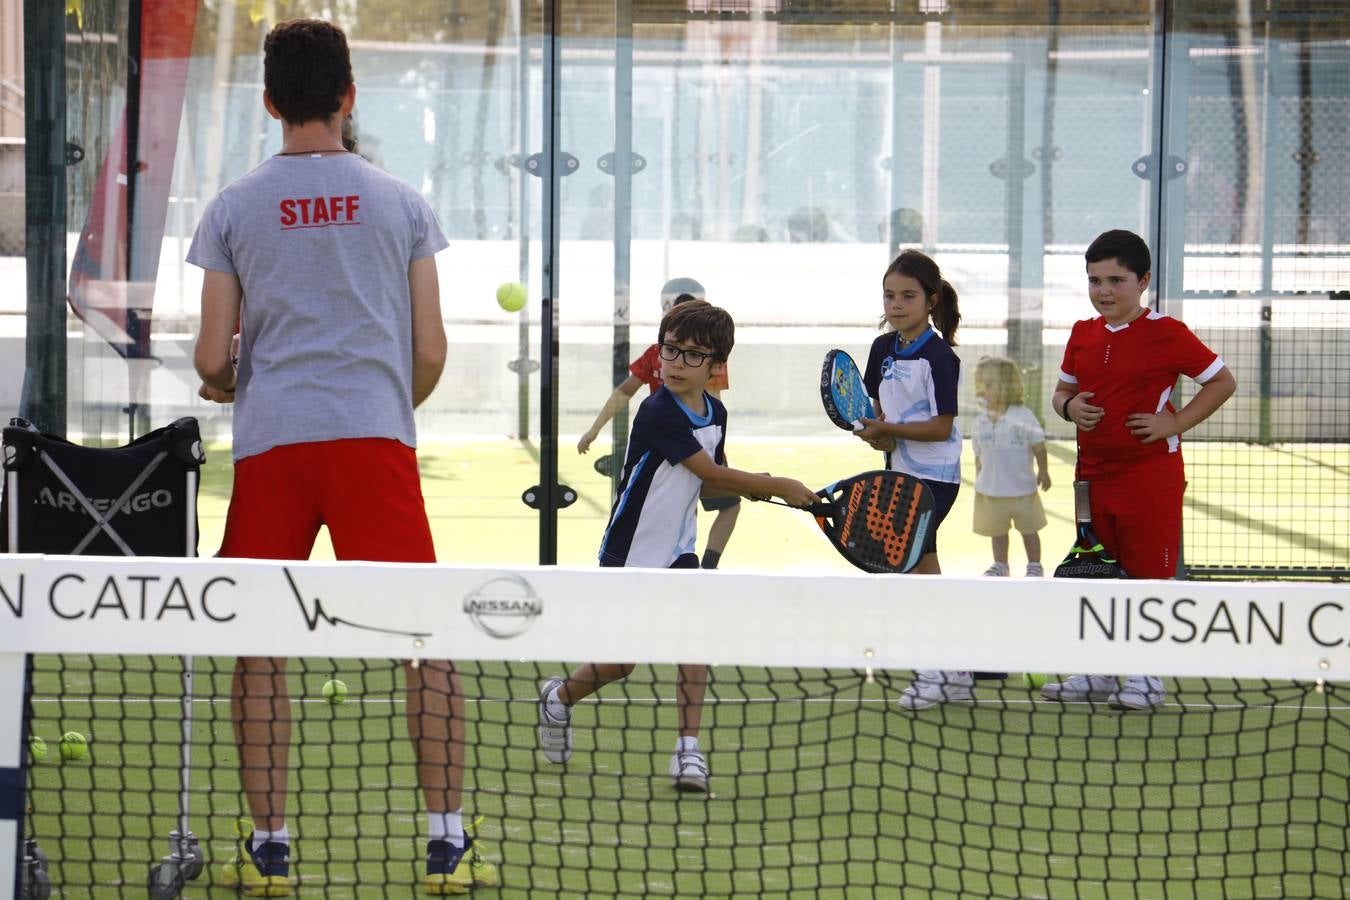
(335, 691)
(73, 745)
(511, 296)
(1033, 680)
(37, 748)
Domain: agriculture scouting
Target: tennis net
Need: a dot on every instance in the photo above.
(820, 783)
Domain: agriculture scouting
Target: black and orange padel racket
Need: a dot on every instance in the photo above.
(877, 520)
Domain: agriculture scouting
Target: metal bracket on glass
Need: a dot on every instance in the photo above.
(566, 496)
(1143, 167)
(1055, 153)
(523, 364)
(534, 164)
(606, 163)
(74, 153)
(1017, 168)
(1307, 156)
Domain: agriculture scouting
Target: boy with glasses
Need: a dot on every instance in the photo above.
(646, 369)
(675, 454)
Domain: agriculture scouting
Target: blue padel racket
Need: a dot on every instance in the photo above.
(878, 520)
(1088, 558)
(843, 392)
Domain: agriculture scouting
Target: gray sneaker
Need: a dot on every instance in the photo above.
(1082, 689)
(555, 733)
(1143, 692)
(931, 688)
(689, 771)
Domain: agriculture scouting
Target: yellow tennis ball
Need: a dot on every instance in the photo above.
(335, 691)
(73, 745)
(511, 296)
(1033, 680)
(37, 748)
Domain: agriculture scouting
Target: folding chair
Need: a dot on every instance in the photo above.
(135, 500)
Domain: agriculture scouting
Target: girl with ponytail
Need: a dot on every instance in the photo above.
(912, 376)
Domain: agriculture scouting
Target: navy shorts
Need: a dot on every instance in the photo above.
(683, 561)
(944, 497)
(713, 504)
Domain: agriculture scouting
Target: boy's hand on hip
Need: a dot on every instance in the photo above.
(1150, 427)
(1084, 414)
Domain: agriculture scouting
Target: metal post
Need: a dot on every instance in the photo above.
(548, 373)
(523, 217)
(623, 220)
(43, 398)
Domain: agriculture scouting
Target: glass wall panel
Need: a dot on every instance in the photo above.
(780, 154)
(787, 156)
(1256, 248)
(445, 102)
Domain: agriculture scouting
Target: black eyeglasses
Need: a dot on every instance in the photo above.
(692, 358)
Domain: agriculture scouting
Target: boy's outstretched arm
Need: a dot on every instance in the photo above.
(1159, 426)
(617, 401)
(724, 479)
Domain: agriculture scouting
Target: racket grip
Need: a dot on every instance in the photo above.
(1082, 503)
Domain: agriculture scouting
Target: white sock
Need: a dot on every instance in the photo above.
(685, 744)
(447, 826)
(556, 708)
(281, 836)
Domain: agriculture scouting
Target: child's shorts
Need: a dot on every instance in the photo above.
(1137, 514)
(944, 498)
(992, 514)
(716, 504)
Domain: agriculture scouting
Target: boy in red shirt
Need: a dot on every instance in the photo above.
(1116, 385)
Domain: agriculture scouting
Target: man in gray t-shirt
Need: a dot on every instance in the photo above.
(324, 267)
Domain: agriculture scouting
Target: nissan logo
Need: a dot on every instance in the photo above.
(503, 607)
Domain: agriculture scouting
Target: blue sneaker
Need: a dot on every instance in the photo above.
(261, 872)
(458, 870)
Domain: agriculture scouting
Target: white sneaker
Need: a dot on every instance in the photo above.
(1082, 689)
(930, 688)
(689, 771)
(1035, 570)
(999, 570)
(1139, 692)
(555, 733)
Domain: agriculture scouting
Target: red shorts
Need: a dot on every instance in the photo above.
(1137, 514)
(366, 490)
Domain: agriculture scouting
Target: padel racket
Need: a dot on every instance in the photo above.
(878, 520)
(1088, 558)
(843, 392)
